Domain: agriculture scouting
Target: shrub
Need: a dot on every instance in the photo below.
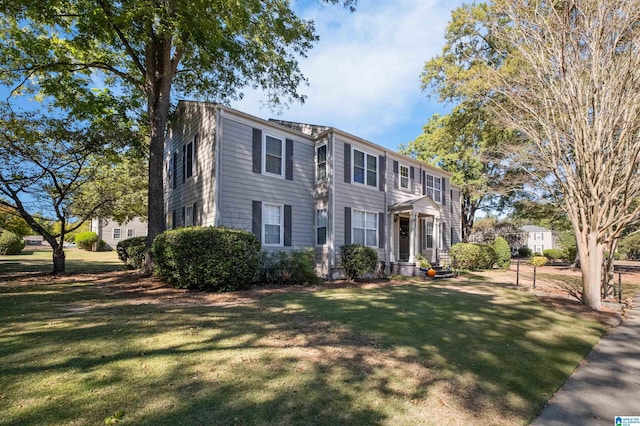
(629, 246)
(539, 261)
(524, 252)
(212, 259)
(131, 251)
(503, 252)
(10, 243)
(358, 260)
(85, 240)
(472, 256)
(553, 254)
(280, 267)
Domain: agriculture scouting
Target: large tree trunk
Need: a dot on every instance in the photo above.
(591, 256)
(58, 259)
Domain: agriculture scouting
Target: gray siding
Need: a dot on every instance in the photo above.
(193, 119)
(105, 230)
(240, 185)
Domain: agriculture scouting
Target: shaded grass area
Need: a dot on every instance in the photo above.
(77, 261)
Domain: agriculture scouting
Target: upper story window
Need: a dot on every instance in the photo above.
(117, 233)
(321, 163)
(364, 228)
(434, 188)
(272, 224)
(404, 177)
(321, 226)
(273, 156)
(365, 168)
(188, 158)
(538, 236)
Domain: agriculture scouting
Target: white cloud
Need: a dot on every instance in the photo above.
(364, 73)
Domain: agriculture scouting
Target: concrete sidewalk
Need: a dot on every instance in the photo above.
(606, 385)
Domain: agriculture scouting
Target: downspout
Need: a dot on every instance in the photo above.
(389, 221)
(332, 206)
(217, 173)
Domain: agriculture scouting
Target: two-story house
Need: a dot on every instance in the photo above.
(297, 185)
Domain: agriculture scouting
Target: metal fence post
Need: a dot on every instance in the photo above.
(518, 272)
(619, 287)
(534, 277)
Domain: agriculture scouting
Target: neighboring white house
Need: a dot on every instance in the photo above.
(111, 232)
(539, 239)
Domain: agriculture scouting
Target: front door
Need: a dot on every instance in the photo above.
(403, 240)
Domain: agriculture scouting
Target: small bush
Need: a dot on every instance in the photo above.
(524, 252)
(553, 254)
(629, 246)
(85, 240)
(10, 243)
(472, 257)
(539, 261)
(503, 252)
(288, 268)
(131, 251)
(358, 260)
(212, 259)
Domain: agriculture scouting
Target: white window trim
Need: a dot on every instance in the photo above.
(400, 176)
(188, 215)
(326, 226)
(326, 169)
(433, 188)
(193, 159)
(535, 236)
(264, 156)
(353, 165)
(281, 207)
(113, 233)
(133, 232)
(353, 211)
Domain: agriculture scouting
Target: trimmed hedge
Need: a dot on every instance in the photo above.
(131, 251)
(553, 254)
(524, 252)
(85, 240)
(472, 256)
(503, 252)
(211, 259)
(358, 260)
(288, 268)
(10, 243)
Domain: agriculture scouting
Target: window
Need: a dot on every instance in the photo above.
(188, 216)
(365, 168)
(434, 188)
(321, 227)
(364, 228)
(538, 248)
(131, 233)
(188, 159)
(117, 233)
(428, 233)
(537, 236)
(321, 163)
(169, 223)
(272, 224)
(404, 177)
(273, 156)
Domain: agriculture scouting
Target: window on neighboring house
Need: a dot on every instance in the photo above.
(537, 236)
(188, 216)
(117, 233)
(538, 248)
(321, 163)
(321, 227)
(272, 224)
(404, 177)
(273, 156)
(364, 228)
(131, 233)
(365, 168)
(434, 188)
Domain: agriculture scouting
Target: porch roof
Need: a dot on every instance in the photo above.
(423, 204)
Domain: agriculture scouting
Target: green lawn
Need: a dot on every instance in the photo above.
(77, 261)
(80, 353)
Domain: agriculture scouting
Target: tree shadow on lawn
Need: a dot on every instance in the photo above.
(500, 353)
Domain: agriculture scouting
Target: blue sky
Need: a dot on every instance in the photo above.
(364, 73)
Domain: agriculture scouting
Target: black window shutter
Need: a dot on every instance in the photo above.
(256, 219)
(195, 155)
(184, 222)
(382, 169)
(347, 163)
(395, 174)
(347, 225)
(381, 230)
(257, 151)
(288, 164)
(444, 193)
(412, 172)
(184, 163)
(424, 183)
(174, 219)
(287, 225)
(175, 170)
(194, 220)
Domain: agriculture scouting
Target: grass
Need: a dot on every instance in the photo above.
(77, 261)
(83, 353)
